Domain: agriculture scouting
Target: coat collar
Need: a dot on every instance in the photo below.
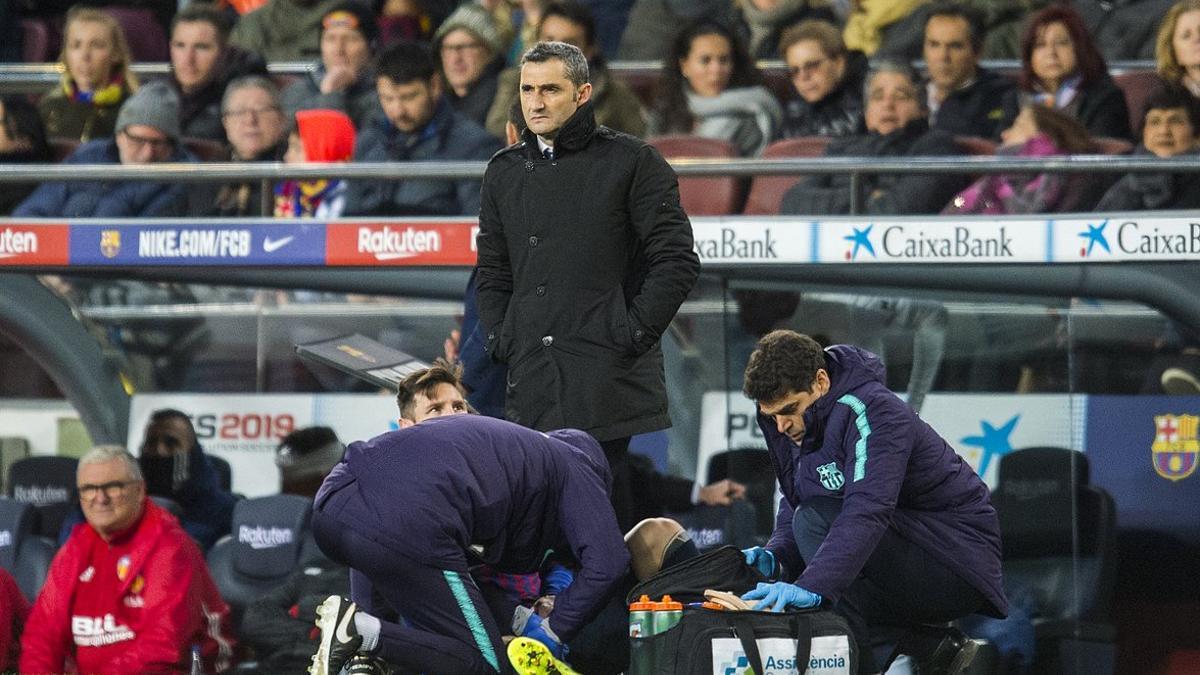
(574, 135)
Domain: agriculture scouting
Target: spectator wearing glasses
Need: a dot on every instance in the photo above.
(257, 132)
(203, 63)
(96, 78)
(470, 53)
(129, 591)
(147, 132)
(343, 80)
(826, 95)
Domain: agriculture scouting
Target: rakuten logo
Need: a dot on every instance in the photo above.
(389, 244)
(41, 495)
(15, 242)
(259, 537)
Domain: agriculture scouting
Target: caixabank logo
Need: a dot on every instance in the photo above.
(928, 240)
(751, 241)
(1116, 239)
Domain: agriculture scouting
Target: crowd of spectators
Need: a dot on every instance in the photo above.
(459, 80)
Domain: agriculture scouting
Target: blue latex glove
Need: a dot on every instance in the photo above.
(539, 629)
(780, 595)
(760, 559)
(556, 580)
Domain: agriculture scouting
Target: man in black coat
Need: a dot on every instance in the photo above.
(896, 127)
(585, 256)
(963, 99)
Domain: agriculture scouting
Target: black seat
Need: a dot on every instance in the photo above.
(48, 483)
(224, 471)
(24, 554)
(270, 539)
(750, 467)
(1058, 535)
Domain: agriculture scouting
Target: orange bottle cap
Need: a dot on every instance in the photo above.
(669, 605)
(643, 605)
(708, 604)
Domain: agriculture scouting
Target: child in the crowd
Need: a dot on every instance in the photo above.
(1038, 131)
(317, 136)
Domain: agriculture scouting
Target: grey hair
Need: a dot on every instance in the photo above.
(248, 81)
(107, 453)
(574, 62)
(900, 68)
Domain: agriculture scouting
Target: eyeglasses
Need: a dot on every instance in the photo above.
(454, 49)
(156, 143)
(808, 67)
(246, 113)
(111, 490)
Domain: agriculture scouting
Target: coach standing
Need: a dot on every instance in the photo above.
(585, 256)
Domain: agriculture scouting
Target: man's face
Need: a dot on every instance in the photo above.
(948, 52)
(560, 29)
(891, 103)
(464, 57)
(111, 499)
(1168, 132)
(253, 123)
(408, 106)
(445, 399)
(168, 437)
(142, 144)
(788, 410)
(343, 46)
(195, 50)
(548, 99)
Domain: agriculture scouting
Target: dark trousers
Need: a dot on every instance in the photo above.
(447, 626)
(900, 587)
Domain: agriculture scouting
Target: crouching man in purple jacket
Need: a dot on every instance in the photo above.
(412, 509)
(881, 521)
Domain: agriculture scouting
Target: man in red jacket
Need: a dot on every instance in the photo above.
(129, 592)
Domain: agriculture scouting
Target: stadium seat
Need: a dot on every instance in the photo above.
(12, 449)
(146, 37)
(206, 150)
(48, 483)
(750, 467)
(1137, 86)
(36, 45)
(61, 148)
(719, 196)
(270, 540)
(24, 554)
(1058, 536)
(172, 507)
(766, 192)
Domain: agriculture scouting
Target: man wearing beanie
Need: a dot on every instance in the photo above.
(283, 30)
(147, 131)
(343, 80)
(471, 54)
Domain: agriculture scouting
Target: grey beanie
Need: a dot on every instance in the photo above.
(153, 105)
(475, 20)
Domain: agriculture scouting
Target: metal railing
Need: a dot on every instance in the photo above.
(855, 167)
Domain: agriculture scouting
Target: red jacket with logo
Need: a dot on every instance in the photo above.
(136, 604)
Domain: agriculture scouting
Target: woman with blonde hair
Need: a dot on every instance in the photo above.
(1177, 48)
(96, 78)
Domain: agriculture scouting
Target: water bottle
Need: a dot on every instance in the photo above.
(641, 618)
(667, 613)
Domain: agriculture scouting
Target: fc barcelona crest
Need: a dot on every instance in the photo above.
(110, 243)
(831, 476)
(1175, 446)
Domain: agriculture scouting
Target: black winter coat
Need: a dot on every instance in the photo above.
(838, 114)
(977, 110)
(1153, 191)
(892, 194)
(583, 262)
(1100, 107)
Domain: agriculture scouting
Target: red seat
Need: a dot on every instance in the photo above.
(974, 145)
(36, 36)
(766, 192)
(1111, 146)
(60, 148)
(703, 196)
(146, 36)
(1138, 87)
(206, 150)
